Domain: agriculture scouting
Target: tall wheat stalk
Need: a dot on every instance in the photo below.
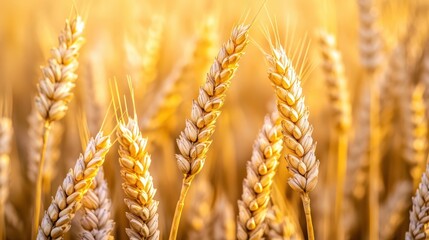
(194, 140)
(339, 100)
(55, 92)
(370, 45)
(302, 163)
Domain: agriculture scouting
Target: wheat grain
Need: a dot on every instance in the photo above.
(261, 169)
(57, 218)
(96, 221)
(137, 182)
(194, 141)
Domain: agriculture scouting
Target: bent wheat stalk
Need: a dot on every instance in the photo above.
(137, 182)
(301, 160)
(261, 169)
(194, 140)
(57, 219)
(55, 91)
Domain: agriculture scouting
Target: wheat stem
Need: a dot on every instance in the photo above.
(341, 176)
(186, 184)
(307, 209)
(38, 197)
(374, 163)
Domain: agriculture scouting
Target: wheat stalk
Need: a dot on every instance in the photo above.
(420, 210)
(370, 45)
(35, 132)
(339, 100)
(57, 219)
(194, 140)
(302, 163)
(96, 220)
(5, 146)
(55, 91)
(137, 182)
(261, 169)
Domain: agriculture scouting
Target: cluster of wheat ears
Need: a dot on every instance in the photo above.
(150, 153)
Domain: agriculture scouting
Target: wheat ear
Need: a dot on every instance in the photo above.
(194, 141)
(5, 145)
(96, 220)
(261, 169)
(57, 219)
(420, 210)
(55, 91)
(370, 42)
(137, 182)
(339, 100)
(415, 149)
(302, 163)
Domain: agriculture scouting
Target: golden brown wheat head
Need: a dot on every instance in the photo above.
(302, 163)
(57, 219)
(137, 182)
(194, 141)
(257, 185)
(58, 79)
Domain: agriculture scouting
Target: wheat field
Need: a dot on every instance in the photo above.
(199, 119)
